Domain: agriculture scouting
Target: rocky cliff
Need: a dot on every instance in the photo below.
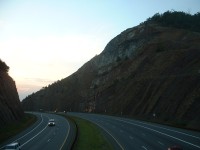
(149, 71)
(10, 106)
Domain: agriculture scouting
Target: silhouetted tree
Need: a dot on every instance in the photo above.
(177, 19)
(3, 66)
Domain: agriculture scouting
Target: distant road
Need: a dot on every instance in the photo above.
(41, 136)
(128, 134)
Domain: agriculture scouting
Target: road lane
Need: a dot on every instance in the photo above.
(42, 136)
(139, 135)
(186, 139)
(31, 130)
(38, 123)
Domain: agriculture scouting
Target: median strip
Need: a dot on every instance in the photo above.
(89, 136)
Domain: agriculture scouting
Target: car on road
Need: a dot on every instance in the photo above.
(51, 122)
(13, 146)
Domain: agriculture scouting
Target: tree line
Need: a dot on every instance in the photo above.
(177, 19)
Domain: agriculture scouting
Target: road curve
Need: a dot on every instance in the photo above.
(131, 134)
(41, 136)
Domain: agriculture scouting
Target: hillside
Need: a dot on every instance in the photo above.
(149, 71)
(10, 107)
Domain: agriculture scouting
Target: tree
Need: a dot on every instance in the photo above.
(3, 66)
(177, 19)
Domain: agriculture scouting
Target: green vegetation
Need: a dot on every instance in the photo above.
(16, 127)
(3, 66)
(89, 136)
(178, 20)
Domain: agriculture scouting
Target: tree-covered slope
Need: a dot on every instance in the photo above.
(149, 71)
(10, 106)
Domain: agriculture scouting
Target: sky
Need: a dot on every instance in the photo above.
(43, 41)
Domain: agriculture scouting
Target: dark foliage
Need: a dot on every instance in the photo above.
(178, 20)
(3, 66)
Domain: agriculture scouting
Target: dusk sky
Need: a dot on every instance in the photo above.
(43, 41)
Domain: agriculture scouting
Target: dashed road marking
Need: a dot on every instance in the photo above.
(34, 136)
(160, 132)
(144, 147)
(160, 143)
(143, 134)
(171, 130)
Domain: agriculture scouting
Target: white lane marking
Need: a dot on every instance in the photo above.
(31, 130)
(157, 127)
(34, 136)
(160, 143)
(161, 133)
(28, 132)
(170, 130)
(111, 136)
(144, 147)
(106, 131)
(66, 136)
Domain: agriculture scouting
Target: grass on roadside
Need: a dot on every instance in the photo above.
(89, 136)
(14, 128)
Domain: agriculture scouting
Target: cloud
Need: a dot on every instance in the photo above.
(38, 80)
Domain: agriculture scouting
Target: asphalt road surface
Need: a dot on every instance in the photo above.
(41, 136)
(128, 134)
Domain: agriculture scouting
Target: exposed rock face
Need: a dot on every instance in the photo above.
(10, 106)
(147, 71)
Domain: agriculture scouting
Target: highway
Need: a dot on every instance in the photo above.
(41, 136)
(128, 134)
